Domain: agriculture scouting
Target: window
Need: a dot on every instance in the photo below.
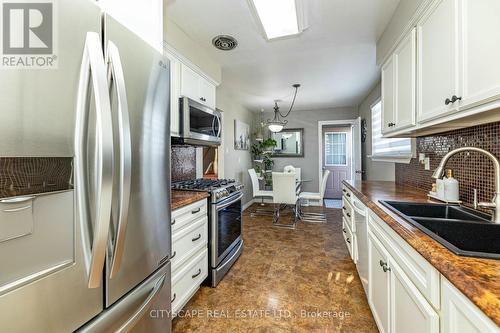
(335, 148)
(395, 150)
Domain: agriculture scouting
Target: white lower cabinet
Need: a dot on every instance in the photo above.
(410, 312)
(459, 315)
(397, 305)
(189, 252)
(379, 283)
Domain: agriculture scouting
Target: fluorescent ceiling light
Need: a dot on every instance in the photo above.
(278, 17)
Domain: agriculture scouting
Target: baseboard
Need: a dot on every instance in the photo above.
(248, 204)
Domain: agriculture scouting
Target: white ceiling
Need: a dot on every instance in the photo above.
(334, 59)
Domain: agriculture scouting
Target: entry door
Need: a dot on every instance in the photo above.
(337, 158)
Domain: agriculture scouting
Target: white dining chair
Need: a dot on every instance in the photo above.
(284, 195)
(315, 217)
(292, 169)
(258, 193)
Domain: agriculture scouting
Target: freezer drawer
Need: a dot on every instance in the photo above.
(145, 309)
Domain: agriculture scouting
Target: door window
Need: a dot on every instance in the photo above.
(335, 149)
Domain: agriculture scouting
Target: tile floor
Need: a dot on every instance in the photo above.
(285, 281)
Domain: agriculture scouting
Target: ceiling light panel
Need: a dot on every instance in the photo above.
(278, 17)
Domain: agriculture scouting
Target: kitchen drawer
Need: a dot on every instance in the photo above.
(423, 275)
(350, 239)
(346, 193)
(188, 241)
(348, 212)
(187, 280)
(183, 216)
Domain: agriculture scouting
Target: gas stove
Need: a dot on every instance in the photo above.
(219, 189)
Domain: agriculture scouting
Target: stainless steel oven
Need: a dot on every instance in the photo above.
(225, 235)
(200, 125)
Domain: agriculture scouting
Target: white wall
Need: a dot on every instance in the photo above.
(144, 17)
(176, 38)
(373, 170)
(236, 162)
(400, 19)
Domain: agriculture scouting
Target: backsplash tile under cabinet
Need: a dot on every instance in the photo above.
(473, 170)
(32, 175)
(183, 163)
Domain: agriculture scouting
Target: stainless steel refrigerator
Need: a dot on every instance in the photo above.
(105, 267)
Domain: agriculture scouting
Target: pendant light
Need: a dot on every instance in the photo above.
(277, 123)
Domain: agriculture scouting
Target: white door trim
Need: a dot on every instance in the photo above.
(354, 143)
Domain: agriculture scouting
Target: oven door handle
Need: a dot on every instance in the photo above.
(224, 205)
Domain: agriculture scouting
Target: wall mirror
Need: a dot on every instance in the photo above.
(289, 142)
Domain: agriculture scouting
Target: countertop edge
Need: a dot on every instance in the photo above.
(180, 198)
(483, 298)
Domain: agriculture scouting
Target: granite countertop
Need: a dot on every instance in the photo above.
(181, 198)
(477, 278)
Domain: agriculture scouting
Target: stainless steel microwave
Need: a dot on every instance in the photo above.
(200, 125)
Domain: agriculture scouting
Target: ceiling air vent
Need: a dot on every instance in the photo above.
(224, 42)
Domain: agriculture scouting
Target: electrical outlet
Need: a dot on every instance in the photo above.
(421, 157)
(427, 163)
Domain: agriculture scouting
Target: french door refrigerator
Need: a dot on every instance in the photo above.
(106, 106)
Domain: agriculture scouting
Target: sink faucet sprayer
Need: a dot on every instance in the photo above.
(495, 204)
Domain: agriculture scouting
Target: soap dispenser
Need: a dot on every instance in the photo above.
(451, 192)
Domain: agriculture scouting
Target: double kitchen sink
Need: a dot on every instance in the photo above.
(463, 231)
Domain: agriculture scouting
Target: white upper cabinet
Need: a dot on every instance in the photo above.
(388, 116)
(438, 59)
(405, 82)
(196, 87)
(481, 51)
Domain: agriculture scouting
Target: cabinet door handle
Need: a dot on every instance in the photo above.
(447, 101)
(391, 124)
(196, 238)
(348, 215)
(344, 190)
(348, 240)
(173, 255)
(349, 195)
(195, 211)
(343, 229)
(173, 222)
(195, 275)
(386, 268)
(382, 263)
(454, 98)
(173, 299)
(344, 208)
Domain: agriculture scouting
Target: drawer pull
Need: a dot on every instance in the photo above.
(196, 238)
(195, 211)
(344, 190)
(382, 263)
(173, 299)
(384, 266)
(196, 275)
(343, 229)
(173, 222)
(349, 195)
(344, 208)
(348, 214)
(348, 240)
(173, 255)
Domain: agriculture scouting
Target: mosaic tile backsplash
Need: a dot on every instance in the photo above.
(183, 163)
(472, 170)
(32, 175)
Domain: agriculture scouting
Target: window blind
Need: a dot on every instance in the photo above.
(396, 147)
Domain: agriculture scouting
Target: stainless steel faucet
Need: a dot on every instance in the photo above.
(494, 205)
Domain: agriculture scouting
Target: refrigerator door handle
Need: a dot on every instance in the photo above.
(132, 321)
(117, 80)
(93, 74)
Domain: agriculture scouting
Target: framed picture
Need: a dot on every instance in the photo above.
(241, 135)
